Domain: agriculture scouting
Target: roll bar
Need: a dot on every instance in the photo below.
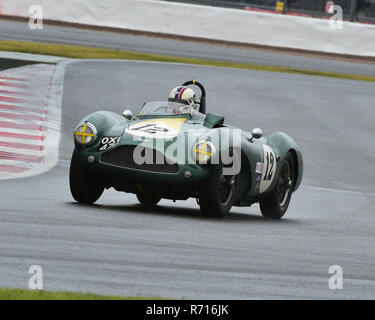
(202, 100)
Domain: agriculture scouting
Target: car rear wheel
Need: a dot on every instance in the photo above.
(147, 199)
(84, 187)
(277, 202)
(217, 194)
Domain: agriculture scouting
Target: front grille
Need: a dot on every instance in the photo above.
(123, 157)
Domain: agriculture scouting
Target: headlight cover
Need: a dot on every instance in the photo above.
(85, 133)
(203, 151)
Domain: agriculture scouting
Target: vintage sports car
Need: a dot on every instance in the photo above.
(173, 151)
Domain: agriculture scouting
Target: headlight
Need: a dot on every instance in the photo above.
(85, 133)
(203, 151)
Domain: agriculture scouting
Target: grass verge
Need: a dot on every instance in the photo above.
(20, 294)
(98, 53)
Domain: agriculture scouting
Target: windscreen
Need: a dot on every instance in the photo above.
(165, 108)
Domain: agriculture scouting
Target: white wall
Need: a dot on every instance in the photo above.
(207, 22)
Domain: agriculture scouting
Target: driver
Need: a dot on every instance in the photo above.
(183, 94)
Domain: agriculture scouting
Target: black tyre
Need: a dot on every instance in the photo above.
(277, 202)
(217, 194)
(147, 199)
(83, 186)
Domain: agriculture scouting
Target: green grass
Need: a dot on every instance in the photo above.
(20, 294)
(98, 53)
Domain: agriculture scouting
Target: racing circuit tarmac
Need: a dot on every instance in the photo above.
(117, 247)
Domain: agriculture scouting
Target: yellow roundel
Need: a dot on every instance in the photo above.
(203, 151)
(85, 133)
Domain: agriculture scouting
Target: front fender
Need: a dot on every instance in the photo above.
(284, 143)
(106, 123)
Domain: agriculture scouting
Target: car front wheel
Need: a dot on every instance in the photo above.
(217, 194)
(83, 186)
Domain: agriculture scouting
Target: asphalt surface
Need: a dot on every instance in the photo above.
(11, 30)
(118, 247)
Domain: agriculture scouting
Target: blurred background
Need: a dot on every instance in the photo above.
(353, 10)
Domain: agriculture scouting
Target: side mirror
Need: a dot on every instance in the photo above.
(127, 114)
(256, 133)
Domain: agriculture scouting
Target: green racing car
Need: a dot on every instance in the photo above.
(176, 150)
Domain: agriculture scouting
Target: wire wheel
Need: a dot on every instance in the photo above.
(226, 189)
(277, 201)
(217, 194)
(284, 185)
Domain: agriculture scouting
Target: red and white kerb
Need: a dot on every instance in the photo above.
(24, 118)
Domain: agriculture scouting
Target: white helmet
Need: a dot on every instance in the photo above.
(184, 95)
